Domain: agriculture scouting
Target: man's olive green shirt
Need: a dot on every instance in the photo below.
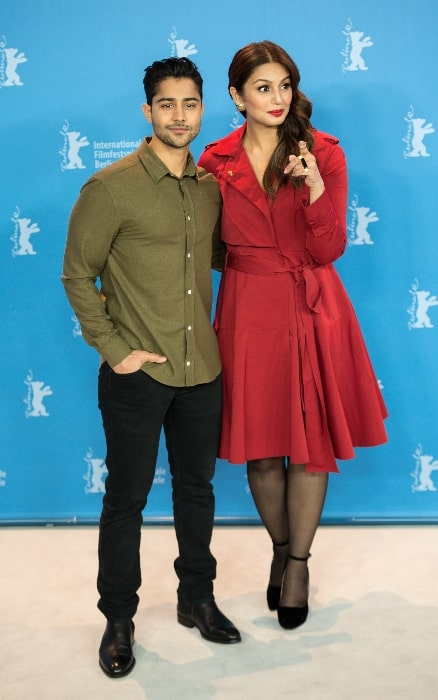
(152, 239)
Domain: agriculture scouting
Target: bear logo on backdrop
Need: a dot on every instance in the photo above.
(3, 476)
(37, 391)
(23, 230)
(72, 143)
(417, 130)
(96, 473)
(354, 45)
(422, 301)
(181, 47)
(422, 473)
(360, 219)
(10, 59)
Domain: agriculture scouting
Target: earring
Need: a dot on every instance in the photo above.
(239, 105)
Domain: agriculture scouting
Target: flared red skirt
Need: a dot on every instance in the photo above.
(298, 381)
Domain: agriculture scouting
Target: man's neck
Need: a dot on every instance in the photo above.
(174, 158)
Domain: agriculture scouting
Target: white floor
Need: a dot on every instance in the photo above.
(372, 633)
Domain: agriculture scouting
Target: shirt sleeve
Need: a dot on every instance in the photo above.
(218, 254)
(93, 225)
(218, 249)
(326, 218)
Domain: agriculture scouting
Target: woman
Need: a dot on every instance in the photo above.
(299, 389)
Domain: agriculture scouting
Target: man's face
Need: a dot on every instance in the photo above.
(176, 111)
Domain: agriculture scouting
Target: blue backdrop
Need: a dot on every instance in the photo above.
(70, 95)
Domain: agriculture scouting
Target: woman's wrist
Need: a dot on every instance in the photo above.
(316, 192)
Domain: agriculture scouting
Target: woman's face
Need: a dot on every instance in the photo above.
(266, 95)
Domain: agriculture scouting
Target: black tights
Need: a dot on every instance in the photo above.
(289, 501)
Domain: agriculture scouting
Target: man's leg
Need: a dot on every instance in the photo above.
(133, 407)
(192, 427)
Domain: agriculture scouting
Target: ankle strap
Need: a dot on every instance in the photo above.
(291, 556)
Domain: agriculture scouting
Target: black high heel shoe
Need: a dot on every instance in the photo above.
(291, 617)
(273, 593)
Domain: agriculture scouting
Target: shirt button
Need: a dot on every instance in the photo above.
(188, 363)
(189, 328)
(189, 291)
(188, 218)
(189, 255)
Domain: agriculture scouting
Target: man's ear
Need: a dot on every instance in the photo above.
(147, 112)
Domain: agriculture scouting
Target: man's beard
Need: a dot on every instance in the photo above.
(166, 135)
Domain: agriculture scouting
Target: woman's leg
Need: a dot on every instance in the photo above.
(267, 480)
(306, 493)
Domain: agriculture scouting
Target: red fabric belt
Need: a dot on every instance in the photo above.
(302, 273)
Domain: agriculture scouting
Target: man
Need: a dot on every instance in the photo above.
(148, 227)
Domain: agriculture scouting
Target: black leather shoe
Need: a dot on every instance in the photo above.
(292, 617)
(212, 624)
(115, 653)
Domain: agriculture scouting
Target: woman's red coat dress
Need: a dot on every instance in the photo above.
(298, 381)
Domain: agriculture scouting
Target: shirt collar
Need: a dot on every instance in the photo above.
(155, 166)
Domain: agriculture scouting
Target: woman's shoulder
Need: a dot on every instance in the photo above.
(216, 153)
(323, 139)
(226, 145)
(327, 149)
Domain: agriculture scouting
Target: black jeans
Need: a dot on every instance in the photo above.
(134, 409)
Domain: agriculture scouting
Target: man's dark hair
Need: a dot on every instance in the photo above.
(169, 68)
